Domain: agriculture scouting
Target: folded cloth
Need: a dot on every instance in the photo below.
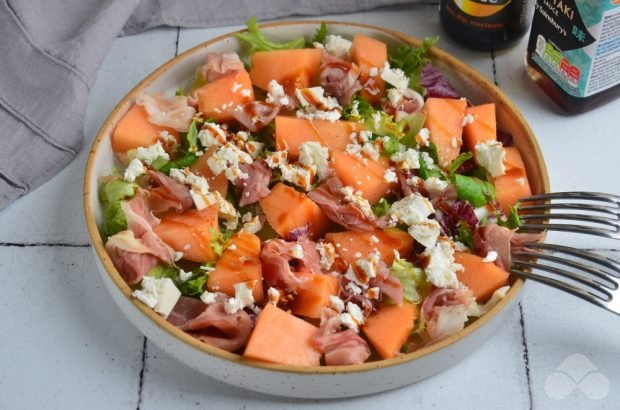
(50, 51)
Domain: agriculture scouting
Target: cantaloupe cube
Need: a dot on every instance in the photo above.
(483, 278)
(313, 294)
(282, 338)
(216, 98)
(351, 243)
(364, 177)
(134, 130)
(369, 53)
(291, 68)
(388, 328)
(240, 262)
(444, 120)
(483, 127)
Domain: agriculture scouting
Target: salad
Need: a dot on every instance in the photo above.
(322, 202)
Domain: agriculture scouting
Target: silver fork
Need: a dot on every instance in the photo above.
(594, 213)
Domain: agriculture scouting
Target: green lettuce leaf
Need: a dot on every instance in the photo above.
(181, 162)
(257, 41)
(474, 190)
(411, 60)
(456, 164)
(381, 208)
(114, 219)
(465, 236)
(512, 221)
(411, 126)
(412, 279)
(321, 33)
(116, 190)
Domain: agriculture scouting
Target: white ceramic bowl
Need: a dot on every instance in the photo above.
(328, 381)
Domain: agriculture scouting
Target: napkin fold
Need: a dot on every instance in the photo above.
(50, 51)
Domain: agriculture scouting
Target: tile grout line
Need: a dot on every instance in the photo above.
(43, 244)
(526, 356)
(176, 44)
(142, 367)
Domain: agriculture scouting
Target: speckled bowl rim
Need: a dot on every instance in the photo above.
(99, 248)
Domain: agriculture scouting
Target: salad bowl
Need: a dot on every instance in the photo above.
(282, 380)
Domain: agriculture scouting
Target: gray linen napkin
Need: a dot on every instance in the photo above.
(50, 51)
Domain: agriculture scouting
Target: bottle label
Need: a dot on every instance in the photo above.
(577, 43)
(488, 15)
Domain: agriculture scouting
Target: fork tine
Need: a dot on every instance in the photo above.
(581, 293)
(605, 281)
(578, 195)
(564, 273)
(586, 230)
(609, 263)
(575, 217)
(574, 207)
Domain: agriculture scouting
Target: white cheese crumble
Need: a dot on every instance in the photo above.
(316, 105)
(208, 297)
(246, 92)
(428, 161)
(134, 170)
(296, 251)
(227, 159)
(395, 95)
(394, 76)
(212, 134)
(373, 72)
(151, 153)
(327, 251)
(411, 210)
(184, 276)
(441, 268)
(425, 232)
(424, 135)
(254, 148)
(483, 213)
(353, 318)
(490, 257)
(490, 155)
(371, 150)
(407, 159)
(273, 295)
(243, 297)
(435, 186)
(331, 116)
(373, 293)
(468, 119)
(159, 294)
(253, 225)
(299, 175)
(337, 45)
(390, 176)
(313, 154)
(355, 197)
(276, 158)
(276, 94)
(367, 268)
(336, 303)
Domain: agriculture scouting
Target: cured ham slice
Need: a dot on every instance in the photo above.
(445, 311)
(280, 267)
(167, 194)
(339, 78)
(255, 115)
(220, 64)
(256, 185)
(340, 347)
(211, 324)
(331, 201)
(174, 112)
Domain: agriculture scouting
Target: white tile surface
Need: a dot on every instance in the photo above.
(65, 344)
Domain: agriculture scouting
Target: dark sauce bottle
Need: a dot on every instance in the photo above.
(574, 52)
(485, 24)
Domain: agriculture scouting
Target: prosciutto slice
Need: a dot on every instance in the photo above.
(445, 311)
(138, 249)
(279, 267)
(174, 112)
(389, 285)
(409, 102)
(255, 115)
(341, 348)
(211, 324)
(256, 186)
(500, 239)
(339, 78)
(168, 194)
(220, 64)
(331, 201)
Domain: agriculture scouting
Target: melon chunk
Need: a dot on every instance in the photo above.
(282, 338)
(291, 68)
(287, 209)
(388, 328)
(483, 278)
(364, 177)
(291, 132)
(483, 127)
(369, 53)
(190, 233)
(225, 93)
(313, 294)
(240, 262)
(350, 243)
(216, 182)
(134, 130)
(444, 120)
